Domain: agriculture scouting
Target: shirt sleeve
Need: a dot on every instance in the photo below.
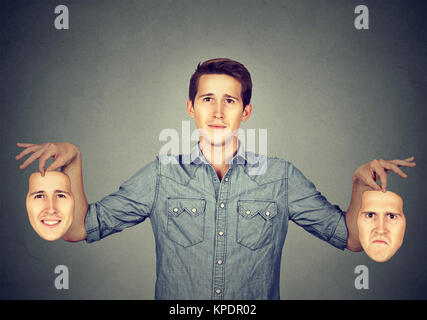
(128, 206)
(312, 211)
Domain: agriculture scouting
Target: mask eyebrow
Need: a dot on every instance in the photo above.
(43, 192)
(365, 212)
(61, 191)
(37, 192)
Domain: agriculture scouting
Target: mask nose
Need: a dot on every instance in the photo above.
(381, 227)
(51, 206)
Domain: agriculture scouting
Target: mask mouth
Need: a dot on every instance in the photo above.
(51, 222)
(380, 241)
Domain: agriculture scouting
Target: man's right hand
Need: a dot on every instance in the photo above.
(67, 156)
(63, 154)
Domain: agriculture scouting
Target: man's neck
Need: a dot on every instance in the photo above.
(219, 156)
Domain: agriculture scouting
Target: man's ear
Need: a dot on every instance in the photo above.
(247, 112)
(190, 108)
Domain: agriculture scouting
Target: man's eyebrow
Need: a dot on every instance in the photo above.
(206, 95)
(230, 96)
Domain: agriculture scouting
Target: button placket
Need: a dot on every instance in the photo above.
(220, 241)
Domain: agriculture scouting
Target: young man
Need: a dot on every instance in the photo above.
(219, 230)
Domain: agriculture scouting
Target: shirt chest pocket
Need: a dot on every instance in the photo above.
(186, 220)
(255, 223)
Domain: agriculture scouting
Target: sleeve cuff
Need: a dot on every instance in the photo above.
(92, 224)
(339, 238)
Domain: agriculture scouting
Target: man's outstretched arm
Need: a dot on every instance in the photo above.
(364, 178)
(67, 157)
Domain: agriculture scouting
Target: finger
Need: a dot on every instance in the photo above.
(27, 151)
(403, 163)
(55, 165)
(390, 166)
(380, 172)
(30, 159)
(42, 161)
(49, 151)
(371, 181)
(24, 145)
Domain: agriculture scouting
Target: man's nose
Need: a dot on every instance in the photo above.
(218, 110)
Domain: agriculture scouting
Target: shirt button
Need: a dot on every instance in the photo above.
(194, 210)
(219, 261)
(226, 179)
(221, 233)
(248, 211)
(267, 213)
(218, 291)
(175, 209)
(222, 205)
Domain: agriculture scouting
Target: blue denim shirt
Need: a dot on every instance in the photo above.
(218, 239)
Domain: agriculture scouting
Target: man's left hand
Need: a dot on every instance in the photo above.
(371, 171)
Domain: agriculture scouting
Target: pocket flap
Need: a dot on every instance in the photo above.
(250, 208)
(192, 206)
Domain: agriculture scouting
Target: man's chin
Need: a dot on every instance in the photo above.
(218, 141)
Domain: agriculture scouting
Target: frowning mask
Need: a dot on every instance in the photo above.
(381, 223)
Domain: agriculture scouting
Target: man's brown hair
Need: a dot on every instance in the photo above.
(223, 66)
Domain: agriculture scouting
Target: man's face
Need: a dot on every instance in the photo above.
(381, 224)
(50, 204)
(218, 108)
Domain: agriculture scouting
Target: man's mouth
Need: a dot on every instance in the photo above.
(217, 126)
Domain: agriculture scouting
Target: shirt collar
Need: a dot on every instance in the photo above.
(197, 156)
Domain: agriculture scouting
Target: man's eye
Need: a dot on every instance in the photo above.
(229, 100)
(393, 216)
(38, 196)
(60, 195)
(207, 99)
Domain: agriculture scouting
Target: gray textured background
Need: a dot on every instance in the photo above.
(331, 97)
